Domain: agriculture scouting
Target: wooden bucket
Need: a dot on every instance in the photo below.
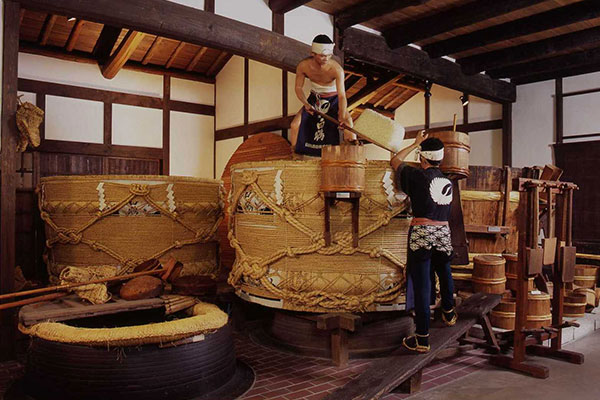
(512, 265)
(503, 315)
(538, 310)
(574, 304)
(488, 274)
(590, 296)
(456, 152)
(585, 276)
(343, 168)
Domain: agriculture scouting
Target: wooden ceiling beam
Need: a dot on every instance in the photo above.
(367, 10)
(554, 18)
(392, 93)
(366, 93)
(83, 57)
(545, 76)
(191, 25)
(372, 49)
(283, 6)
(197, 57)
(218, 64)
(380, 110)
(21, 15)
(74, 35)
(106, 42)
(47, 28)
(121, 55)
(174, 55)
(152, 50)
(445, 21)
(528, 51)
(351, 81)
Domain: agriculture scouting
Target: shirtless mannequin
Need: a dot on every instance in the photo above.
(327, 82)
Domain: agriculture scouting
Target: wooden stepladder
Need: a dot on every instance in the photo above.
(557, 250)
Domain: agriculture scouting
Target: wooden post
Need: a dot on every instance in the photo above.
(166, 145)
(427, 95)
(558, 100)
(8, 176)
(507, 134)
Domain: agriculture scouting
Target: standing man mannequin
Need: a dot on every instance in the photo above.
(309, 131)
(430, 247)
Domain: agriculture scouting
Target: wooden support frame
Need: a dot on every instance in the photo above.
(74, 35)
(166, 120)
(274, 124)
(8, 176)
(507, 134)
(118, 59)
(558, 109)
(47, 28)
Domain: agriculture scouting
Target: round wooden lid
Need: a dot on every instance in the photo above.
(488, 259)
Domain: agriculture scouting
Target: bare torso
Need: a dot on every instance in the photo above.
(322, 75)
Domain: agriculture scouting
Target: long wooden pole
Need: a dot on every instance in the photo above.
(46, 297)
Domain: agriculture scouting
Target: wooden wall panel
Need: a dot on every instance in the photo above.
(69, 164)
(129, 166)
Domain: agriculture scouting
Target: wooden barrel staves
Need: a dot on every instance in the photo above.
(488, 274)
(511, 273)
(343, 168)
(503, 316)
(585, 276)
(456, 152)
(538, 310)
(574, 304)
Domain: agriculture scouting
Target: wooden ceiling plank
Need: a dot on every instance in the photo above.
(386, 96)
(380, 110)
(174, 55)
(47, 29)
(554, 18)
(445, 21)
(74, 35)
(283, 6)
(372, 49)
(367, 10)
(409, 86)
(122, 54)
(153, 47)
(216, 65)
(366, 93)
(558, 63)
(197, 57)
(187, 24)
(351, 81)
(528, 51)
(105, 43)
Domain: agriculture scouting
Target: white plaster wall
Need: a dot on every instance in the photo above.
(444, 104)
(533, 124)
(581, 82)
(223, 151)
(483, 110)
(264, 92)
(192, 91)
(412, 112)
(136, 126)
(191, 145)
(74, 119)
(486, 148)
(252, 12)
(191, 3)
(229, 100)
(580, 114)
(304, 23)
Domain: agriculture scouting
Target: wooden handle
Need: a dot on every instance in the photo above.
(454, 124)
(335, 121)
(37, 299)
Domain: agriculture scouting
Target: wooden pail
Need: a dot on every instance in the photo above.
(456, 152)
(585, 276)
(503, 316)
(511, 273)
(538, 310)
(590, 295)
(488, 274)
(574, 304)
(343, 168)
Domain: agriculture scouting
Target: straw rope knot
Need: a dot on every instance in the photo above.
(45, 216)
(384, 219)
(375, 252)
(290, 252)
(178, 244)
(139, 189)
(249, 177)
(68, 236)
(95, 246)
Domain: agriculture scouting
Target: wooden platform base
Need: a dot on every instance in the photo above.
(382, 376)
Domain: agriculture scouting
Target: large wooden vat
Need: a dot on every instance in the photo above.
(488, 274)
(120, 221)
(574, 304)
(456, 152)
(538, 310)
(276, 228)
(511, 273)
(503, 315)
(343, 168)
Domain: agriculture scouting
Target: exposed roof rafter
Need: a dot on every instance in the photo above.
(368, 9)
(283, 6)
(122, 54)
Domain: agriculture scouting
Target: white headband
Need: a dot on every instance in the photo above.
(322, 48)
(433, 155)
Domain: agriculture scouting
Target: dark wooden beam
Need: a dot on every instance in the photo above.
(246, 93)
(529, 51)
(545, 76)
(370, 90)
(107, 123)
(117, 60)
(166, 131)
(278, 26)
(152, 50)
(74, 35)
(579, 59)
(255, 127)
(47, 28)
(179, 22)
(8, 176)
(558, 106)
(372, 49)
(456, 17)
(174, 55)
(80, 56)
(412, 131)
(367, 10)
(199, 54)
(209, 6)
(507, 134)
(351, 81)
(216, 66)
(283, 6)
(97, 149)
(105, 43)
(554, 18)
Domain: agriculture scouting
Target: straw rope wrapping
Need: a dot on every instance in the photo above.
(204, 318)
(75, 236)
(258, 267)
